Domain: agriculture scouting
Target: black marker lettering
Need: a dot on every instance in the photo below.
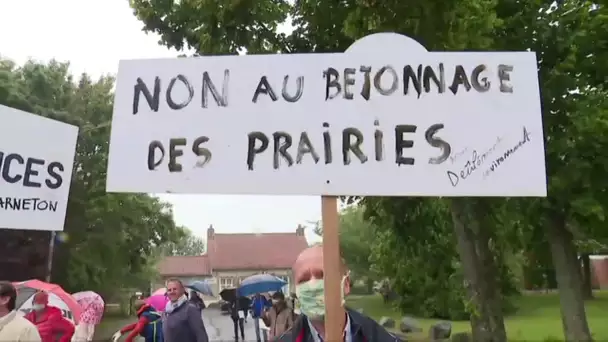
(199, 151)
(332, 77)
(170, 102)
(305, 146)
(504, 77)
(56, 179)
(282, 141)
(445, 147)
(175, 152)
(408, 74)
(31, 172)
(252, 150)
(355, 147)
(365, 90)
(208, 86)
(460, 77)
(378, 80)
(481, 85)
(327, 144)
(429, 75)
(141, 87)
(401, 143)
(265, 89)
(349, 80)
(152, 163)
(299, 89)
(378, 142)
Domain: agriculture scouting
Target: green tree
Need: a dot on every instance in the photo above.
(418, 234)
(356, 239)
(187, 244)
(111, 236)
(570, 40)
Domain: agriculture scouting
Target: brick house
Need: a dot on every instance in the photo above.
(232, 257)
(599, 271)
(185, 268)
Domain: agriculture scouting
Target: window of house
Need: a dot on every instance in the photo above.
(226, 282)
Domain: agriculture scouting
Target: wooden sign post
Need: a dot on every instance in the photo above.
(332, 273)
(384, 118)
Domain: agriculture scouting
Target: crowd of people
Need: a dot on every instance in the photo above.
(44, 323)
(182, 319)
(272, 309)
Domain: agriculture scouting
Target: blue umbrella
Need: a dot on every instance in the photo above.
(260, 283)
(202, 287)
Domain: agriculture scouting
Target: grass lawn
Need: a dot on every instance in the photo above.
(538, 317)
(109, 325)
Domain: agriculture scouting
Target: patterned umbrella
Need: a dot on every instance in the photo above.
(159, 302)
(160, 291)
(57, 298)
(92, 306)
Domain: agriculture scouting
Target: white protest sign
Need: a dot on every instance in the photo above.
(36, 158)
(384, 118)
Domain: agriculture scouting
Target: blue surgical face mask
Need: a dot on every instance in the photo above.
(38, 307)
(311, 296)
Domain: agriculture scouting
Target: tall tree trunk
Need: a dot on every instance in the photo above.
(370, 285)
(568, 274)
(487, 321)
(587, 285)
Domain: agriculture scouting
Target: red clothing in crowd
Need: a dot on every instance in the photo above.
(138, 327)
(51, 323)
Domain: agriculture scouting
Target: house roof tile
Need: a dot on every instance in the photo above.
(255, 251)
(185, 266)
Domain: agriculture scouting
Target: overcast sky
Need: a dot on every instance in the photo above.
(93, 35)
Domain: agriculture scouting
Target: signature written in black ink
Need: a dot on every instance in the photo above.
(473, 164)
(508, 153)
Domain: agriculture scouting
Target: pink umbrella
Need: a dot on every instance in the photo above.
(92, 306)
(159, 302)
(160, 291)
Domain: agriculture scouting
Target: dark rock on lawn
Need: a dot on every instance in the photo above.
(440, 331)
(409, 325)
(387, 322)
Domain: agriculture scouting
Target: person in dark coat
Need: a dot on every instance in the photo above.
(310, 325)
(237, 313)
(196, 300)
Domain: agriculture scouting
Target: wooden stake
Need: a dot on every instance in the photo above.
(332, 275)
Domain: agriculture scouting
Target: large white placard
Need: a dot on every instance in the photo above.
(386, 117)
(36, 158)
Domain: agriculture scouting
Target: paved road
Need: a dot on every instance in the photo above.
(220, 328)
